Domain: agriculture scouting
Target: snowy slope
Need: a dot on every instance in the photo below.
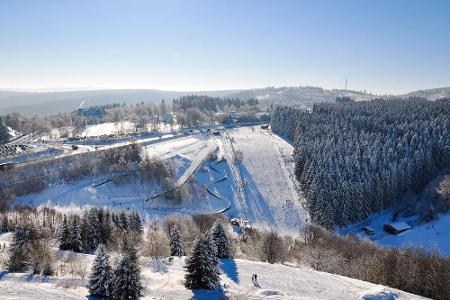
(164, 280)
(187, 153)
(264, 193)
(271, 199)
(430, 94)
(432, 235)
(108, 128)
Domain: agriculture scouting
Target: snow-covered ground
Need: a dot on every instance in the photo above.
(164, 280)
(108, 128)
(268, 196)
(271, 200)
(432, 235)
(187, 153)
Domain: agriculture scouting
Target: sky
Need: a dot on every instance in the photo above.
(382, 46)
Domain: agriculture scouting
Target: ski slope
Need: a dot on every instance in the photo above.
(187, 153)
(164, 280)
(270, 200)
(261, 188)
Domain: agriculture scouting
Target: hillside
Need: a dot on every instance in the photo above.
(164, 280)
(29, 103)
(304, 95)
(430, 94)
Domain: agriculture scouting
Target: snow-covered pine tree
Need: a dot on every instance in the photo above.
(19, 249)
(101, 274)
(123, 221)
(203, 265)
(220, 240)
(77, 244)
(135, 222)
(94, 228)
(135, 227)
(65, 238)
(176, 245)
(4, 134)
(106, 228)
(127, 276)
(4, 225)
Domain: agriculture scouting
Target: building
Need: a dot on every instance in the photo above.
(396, 228)
(93, 111)
(369, 230)
(7, 166)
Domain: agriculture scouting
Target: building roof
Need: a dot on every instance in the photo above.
(399, 225)
(368, 228)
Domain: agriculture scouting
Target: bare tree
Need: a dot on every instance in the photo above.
(272, 248)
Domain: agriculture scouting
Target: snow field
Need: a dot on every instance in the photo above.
(164, 280)
(272, 201)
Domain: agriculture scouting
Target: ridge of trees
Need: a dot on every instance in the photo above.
(356, 158)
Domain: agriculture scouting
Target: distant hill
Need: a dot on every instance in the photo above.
(430, 94)
(306, 95)
(45, 103)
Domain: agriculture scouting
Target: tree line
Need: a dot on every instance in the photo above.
(356, 158)
(35, 177)
(204, 239)
(207, 103)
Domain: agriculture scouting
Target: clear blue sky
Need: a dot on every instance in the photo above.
(390, 46)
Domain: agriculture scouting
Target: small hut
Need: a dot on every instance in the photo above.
(369, 230)
(7, 166)
(396, 228)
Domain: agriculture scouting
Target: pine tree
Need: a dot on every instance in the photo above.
(4, 134)
(123, 221)
(106, 228)
(94, 228)
(220, 240)
(76, 243)
(65, 238)
(4, 226)
(127, 276)
(100, 277)
(135, 223)
(203, 266)
(19, 249)
(135, 227)
(176, 245)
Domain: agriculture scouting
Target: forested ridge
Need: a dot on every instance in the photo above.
(355, 158)
(206, 103)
